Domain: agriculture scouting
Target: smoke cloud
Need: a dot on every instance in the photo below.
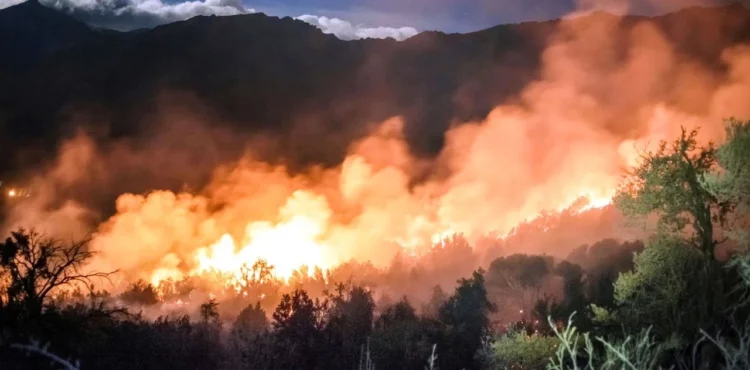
(347, 31)
(607, 88)
(132, 14)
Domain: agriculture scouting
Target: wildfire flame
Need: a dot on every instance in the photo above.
(560, 145)
(309, 226)
(297, 240)
(287, 245)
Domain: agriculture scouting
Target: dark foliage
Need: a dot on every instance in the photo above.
(141, 293)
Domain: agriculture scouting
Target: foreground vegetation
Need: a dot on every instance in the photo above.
(679, 300)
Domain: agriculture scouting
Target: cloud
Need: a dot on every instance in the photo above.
(347, 31)
(125, 15)
(7, 3)
(132, 14)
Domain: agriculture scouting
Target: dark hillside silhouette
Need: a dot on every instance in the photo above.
(282, 77)
(30, 31)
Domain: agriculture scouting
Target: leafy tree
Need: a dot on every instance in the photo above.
(315, 283)
(573, 297)
(209, 312)
(173, 290)
(36, 266)
(454, 254)
(298, 323)
(257, 282)
(685, 186)
(297, 313)
(732, 184)
(671, 182)
(252, 320)
(401, 311)
(603, 262)
(437, 300)
(466, 315)
(141, 293)
(349, 324)
(518, 280)
(400, 339)
(677, 286)
(250, 340)
(661, 290)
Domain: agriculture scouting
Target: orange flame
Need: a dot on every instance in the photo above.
(287, 245)
(562, 146)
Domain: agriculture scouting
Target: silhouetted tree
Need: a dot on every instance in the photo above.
(574, 299)
(174, 290)
(209, 312)
(518, 280)
(437, 300)
(315, 283)
(141, 293)
(251, 320)
(603, 262)
(400, 340)
(251, 344)
(466, 315)
(298, 323)
(349, 324)
(257, 282)
(36, 266)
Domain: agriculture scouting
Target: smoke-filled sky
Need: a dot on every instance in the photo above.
(354, 19)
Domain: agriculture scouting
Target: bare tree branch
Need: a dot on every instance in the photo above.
(38, 265)
(34, 347)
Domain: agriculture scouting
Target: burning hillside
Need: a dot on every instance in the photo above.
(607, 88)
(364, 210)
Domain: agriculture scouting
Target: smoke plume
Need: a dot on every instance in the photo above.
(608, 87)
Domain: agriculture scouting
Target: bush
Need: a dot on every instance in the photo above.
(667, 290)
(518, 350)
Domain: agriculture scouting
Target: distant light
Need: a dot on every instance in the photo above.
(12, 193)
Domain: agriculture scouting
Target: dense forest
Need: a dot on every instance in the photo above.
(679, 299)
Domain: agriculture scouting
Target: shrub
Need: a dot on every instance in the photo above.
(518, 350)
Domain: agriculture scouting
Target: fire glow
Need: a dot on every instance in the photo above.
(563, 145)
(296, 241)
(288, 245)
(304, 228)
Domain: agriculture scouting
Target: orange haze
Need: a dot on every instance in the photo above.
(568, 135)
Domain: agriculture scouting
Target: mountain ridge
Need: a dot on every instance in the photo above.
(30, 30)
(280, 76)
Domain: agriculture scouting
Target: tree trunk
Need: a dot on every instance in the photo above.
(717, 314)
